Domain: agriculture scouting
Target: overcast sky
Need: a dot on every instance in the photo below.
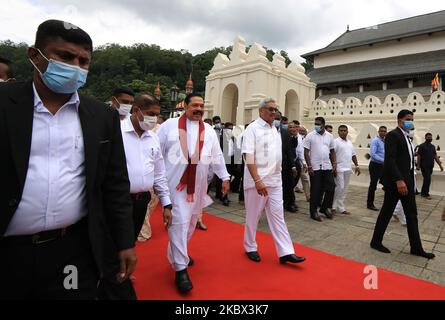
(296, 26)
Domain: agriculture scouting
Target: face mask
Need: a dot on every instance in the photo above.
(218, 126)
(317, 129)
(229, 131)
(149, 123)
(408, 125)
(285, 126)
(61, 77)
(411, 134)
(276, 123)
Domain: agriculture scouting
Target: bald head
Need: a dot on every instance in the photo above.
(146, 101)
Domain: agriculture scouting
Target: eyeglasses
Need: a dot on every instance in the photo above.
(272, 110)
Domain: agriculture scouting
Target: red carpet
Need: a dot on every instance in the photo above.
(223, 272)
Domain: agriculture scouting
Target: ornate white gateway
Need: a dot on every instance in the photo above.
(236, 84)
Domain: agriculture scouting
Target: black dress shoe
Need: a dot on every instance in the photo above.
(254, 256)
(292, 259)
(327, 213)
(292, 209)
(226, 202)
(183, 281)
(380, 247)
(191, 262)
(373, 208)
(424, 254)
(316, 217)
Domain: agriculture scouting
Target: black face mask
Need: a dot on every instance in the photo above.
(429, 140)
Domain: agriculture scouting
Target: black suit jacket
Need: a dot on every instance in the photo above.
(397, 165)
(109, 204)
(288, 146)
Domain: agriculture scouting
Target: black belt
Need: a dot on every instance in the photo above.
(140, 196)
(44, 236)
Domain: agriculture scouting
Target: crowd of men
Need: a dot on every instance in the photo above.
(81, 178)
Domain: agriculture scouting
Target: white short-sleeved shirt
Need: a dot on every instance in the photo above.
(319, 146)
(264, 142)
(344, 151)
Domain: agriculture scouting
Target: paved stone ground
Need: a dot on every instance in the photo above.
(349, 236)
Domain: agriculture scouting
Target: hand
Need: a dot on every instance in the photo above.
(128, 260)
(305, 168)
(357, 171)
(311, 171)
(417, 168)
(441, 168)
(167, 218)
(334, 170)
(261, 188)
(402, 188)
(294, 172)
(225, 187)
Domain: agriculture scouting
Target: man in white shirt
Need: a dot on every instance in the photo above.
(189, 147)
(319, 152)
(304, 176)
(345, 152)
(122, 100)
(145, 164)
(263, 190)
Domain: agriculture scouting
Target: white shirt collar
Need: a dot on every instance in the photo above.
(39, 106)
(264, 123)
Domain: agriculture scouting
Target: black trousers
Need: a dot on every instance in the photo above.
(322, 182)
(49, 270)
(426, 173)
(234, 172)
(109, 287)
(375, 172)
(409, 207)
(140, 211)
(288, 186)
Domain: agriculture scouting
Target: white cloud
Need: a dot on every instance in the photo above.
(295, 26)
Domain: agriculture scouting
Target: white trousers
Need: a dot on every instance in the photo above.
(179, 236)
(341, 186)
(273, 204)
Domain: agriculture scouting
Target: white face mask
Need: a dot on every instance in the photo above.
(124, 109)
(149, 123)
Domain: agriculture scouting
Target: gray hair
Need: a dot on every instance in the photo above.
(265, 101)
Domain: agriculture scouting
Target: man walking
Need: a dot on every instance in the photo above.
(376, 165)
(426, 155)
(398, 179)
(189, 146)
(345, 152)
(319, 152)
(263, 190)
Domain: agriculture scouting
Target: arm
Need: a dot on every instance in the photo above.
(160, 184)
(307, 157)
(357, 168)
(117, 202)
(419, 159)
(374, 151)
(251, 166)
(391, 147)
(333, 158)
(438, 162)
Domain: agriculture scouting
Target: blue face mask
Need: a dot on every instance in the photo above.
(317, 128)
(408, 125)
(218, 126)
(285, 126)
(276, 123)
(61, 77)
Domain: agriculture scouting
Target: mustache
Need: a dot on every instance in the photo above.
(196, 113)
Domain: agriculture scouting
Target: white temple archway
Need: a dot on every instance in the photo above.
(292, 106)
(229, 103)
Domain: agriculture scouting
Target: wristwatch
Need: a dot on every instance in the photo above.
(169, 206)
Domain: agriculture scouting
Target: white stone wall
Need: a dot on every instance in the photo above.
(365, 117)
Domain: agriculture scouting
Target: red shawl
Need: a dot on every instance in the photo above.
(189, 176)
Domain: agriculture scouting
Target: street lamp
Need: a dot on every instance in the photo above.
(174, 94)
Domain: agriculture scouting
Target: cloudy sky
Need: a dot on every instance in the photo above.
(297, 26)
